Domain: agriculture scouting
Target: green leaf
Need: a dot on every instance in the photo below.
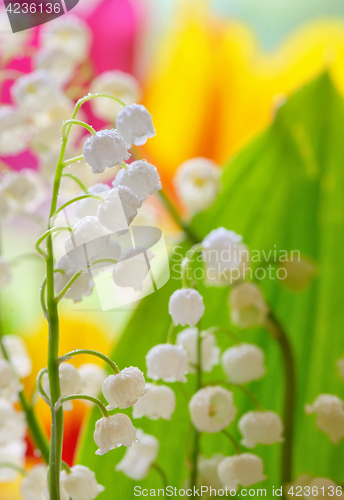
(285, 191)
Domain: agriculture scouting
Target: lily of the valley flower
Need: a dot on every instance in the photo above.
(207, 471)
(248, 306)
(105, 149)
(138, 459)
(57, 62)
(141, 177)
(159, 401)
(210, 352)
(245, 470)
(133, 268)
(82, 286)
(329, 410)
(135, 125)
(9, 382)
(12, 453)
(114, 431)
(15, 133)
(18, 354)
(70, 383)
(119, 209)
(243, 363)
(186, 307)
(212, 409)
(89, 206)
(263, 427)
(34, 483)
(167, 362)
(123, 389)
(92, 378)
(12, 423)
(80, 483)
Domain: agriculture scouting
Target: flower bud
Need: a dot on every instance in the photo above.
(329, 412)
(298, 274)
(186, 307)
(135, 125)
(159, 401)
(133, 268)
(119, 209)
(245, 470)
(35, 92)
(212, 409)
(82, 286)
(248, 307)
(89, 206)
(70, 383)
(210, 352)
(12, 423)
(92, 378)
(5, 272)
(80, 483)
(141, 177)
(9, 383)
(138, 459)
(18, 354)
(114, 431)
(104, 150)
(167, 362)
(263, 427)
(33, 485)
(124, 388)
(243, 363)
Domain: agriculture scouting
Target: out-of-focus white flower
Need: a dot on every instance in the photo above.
(12, 423)
(70, 383)
(33, 485)
(5, 208)
(12, 453)
(207, 471)
(15, 133)
(248, 306)
(197, 182)
(245, 470)
(35, 92)
(119, 209)
(263, 427)
(57, 62)
(322, 487)
(141, 177)
(159, 401)
(123, 389)
(340, 364)
(17, 352)
(89, 206)
(9, 382)
(226, 257)
(212, 409)
(303, 480)
(104, 150)
(210, 352)
(5, 272)
(133, 268)
(82, 286)
(135, 125)
(71, 35)
(139, 458)
(298, 274)
(88, 241)
(243, 363)
(329, 410)
(11, 43)
(80, 483)
(92, 378)
(20, 188)
(186, 307)
(167, 362)
(114, 431)
(118, 84)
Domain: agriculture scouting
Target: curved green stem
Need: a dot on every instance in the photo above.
(77, 180)
(187, 230)
(69, 123)
(9, 465)
(65, 467)
(65, 289)
(78, 198)
(47, 234)
(170, 333)
(42, 290)
(228, 332)
(40, 387)
(248, 393)
(68, 162)
(233, 441)
(161, 473)
(96, 401)
(88, 97)
(98, 354)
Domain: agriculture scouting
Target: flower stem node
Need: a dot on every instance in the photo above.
(105, 149)
(186, 307)
(263, 427)
(212, 409)
(141, 177)
(329, 410)
(138, 459)
(124, 388)
(135, 125)
(80, 483)
(167, 362)
(245, 470)
(243, 363)
(114, 431)
(159, 401)
(248, 306)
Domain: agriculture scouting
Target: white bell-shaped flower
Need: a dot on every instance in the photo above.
(133, 268)
(167, 362)
(89, 206)
(82, 286)
(123, 389)
(35, 92)
(245, 470)
(186, 307)
(118, 84)
(248, 306)
(104, 150)
(159, 401)
(210, 352)
(11, 46)
(322, 487)
(119, 209)
(70, 383)
(12, 453)
(5, 272)
(226, 257)
(15, 133)
(197, 183)
(207, 472)
(80, 483)
(138, 459)
(57, 62)
(114, 431)
(141, 177)
(243, 363)
(212, 409)
(9, 382)
(135, 125)
(18, 354)
(329, 410)
(92, 378)
(12, 423)
(265, 427)
(88, 241)
(20, 188)
(34, 483)
(302, 481)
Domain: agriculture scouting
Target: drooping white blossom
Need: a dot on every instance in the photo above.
(118, 84)
(265, 427)
(80, 483)
(207, 472)
(245, 470)
(210, 352)
(35, 92)
(133, 268)
(322, 487)
(82, 286)
(12, 453)
(123, 389)
(186, 307)
(167, 362)
(20, 188)
(10, 45)
(89, 206)
(15, 133)
(141, 177)
(302, 481)
(212, 409)
(70, 383)
(248, 306)
(226, 257)
(57, 62)
(114, 431)
(119, 209)
(18, 354)
(12, 423)
(135, 125)
(34, 483)
(329, 410)
(138, 459)
(197, 182)
(104, 150)
(243, 363)
(9, 382)
(92, 378)
(297, 273)
(159, 401)
(5, 272)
